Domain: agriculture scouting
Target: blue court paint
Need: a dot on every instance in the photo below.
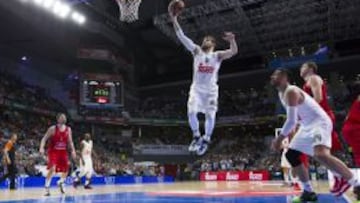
(144, 198)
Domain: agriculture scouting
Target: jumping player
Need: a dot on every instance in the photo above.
(86, 163)
(203, 95)
(60, 137)
(313, 137)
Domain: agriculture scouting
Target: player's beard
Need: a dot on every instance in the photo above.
(206, 47)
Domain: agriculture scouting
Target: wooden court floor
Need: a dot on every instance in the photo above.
(244, 192)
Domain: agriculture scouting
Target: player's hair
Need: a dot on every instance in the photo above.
(59, 114)
(312, 65)
(285, 72)
(212, 38)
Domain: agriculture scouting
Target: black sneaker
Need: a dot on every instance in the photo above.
(308, 196)
(76, 183)
(87, 187)
(47, 191)
(357, 192)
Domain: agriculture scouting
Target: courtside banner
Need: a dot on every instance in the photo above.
(235, 176)
(22, 182)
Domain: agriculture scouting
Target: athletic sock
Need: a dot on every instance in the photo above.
(307, 186)
(87, 182)
(47, 182)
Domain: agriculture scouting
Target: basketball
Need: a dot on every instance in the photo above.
(176, 7)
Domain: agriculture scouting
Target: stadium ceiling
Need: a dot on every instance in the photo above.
(265, 26)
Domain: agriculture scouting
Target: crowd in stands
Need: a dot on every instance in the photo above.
(14, 90)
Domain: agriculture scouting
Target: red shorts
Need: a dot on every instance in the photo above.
(304, 160)
(59, 160)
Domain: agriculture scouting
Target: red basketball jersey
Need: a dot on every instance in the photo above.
(59, 141)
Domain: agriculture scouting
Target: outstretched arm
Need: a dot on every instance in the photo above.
(187, 42)
(233, 50)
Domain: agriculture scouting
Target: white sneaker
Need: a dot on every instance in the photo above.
(194, 145)
(203, 146)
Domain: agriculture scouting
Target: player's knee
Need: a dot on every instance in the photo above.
(211, 114)
(294, 157)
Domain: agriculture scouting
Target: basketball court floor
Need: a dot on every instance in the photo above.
(194, 192)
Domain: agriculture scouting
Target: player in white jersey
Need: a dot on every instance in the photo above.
(86, 163)
(312, 138)
(203, 95)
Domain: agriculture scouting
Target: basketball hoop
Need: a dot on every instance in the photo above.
(129, 10)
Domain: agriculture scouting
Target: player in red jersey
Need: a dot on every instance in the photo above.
(351, 128)
(60, 137)
(316, 87)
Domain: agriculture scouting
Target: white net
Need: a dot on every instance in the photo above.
(129, 10)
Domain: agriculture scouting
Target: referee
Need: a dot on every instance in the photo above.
(9, 160)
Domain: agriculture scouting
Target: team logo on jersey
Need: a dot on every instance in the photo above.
(205, 69)
(317, 137)
(207, 60)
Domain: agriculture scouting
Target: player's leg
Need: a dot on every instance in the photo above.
(49, 175)
(88, 173)
(210, 106)
(193, 119)
(286, 176)
(299, 145)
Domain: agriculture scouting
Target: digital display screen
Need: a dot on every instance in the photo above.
(101, 93)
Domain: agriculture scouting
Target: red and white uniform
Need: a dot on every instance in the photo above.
(351, 130)
(57, 150)
(325, 105)
(204, 91)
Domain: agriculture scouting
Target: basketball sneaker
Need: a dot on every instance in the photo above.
(340, 186)
(204, 145)
(307, 196)
(47, 191)
(195, 144)
(87, 187)
(76, 183)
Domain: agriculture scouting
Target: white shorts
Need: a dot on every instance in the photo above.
(203, 101)
(306, 138)
(284, 162)
(87, 167)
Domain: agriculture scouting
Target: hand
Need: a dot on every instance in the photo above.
(277, 142)
(173, 15)
(42, 151)
(228, 36)
(73, 155)
(8, 161)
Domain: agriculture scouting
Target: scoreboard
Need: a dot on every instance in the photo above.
(100, 90)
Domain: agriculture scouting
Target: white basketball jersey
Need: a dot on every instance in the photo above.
(205, 70)
(87, 148)
(309, 111)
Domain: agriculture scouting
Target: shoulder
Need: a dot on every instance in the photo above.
(315, 80)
